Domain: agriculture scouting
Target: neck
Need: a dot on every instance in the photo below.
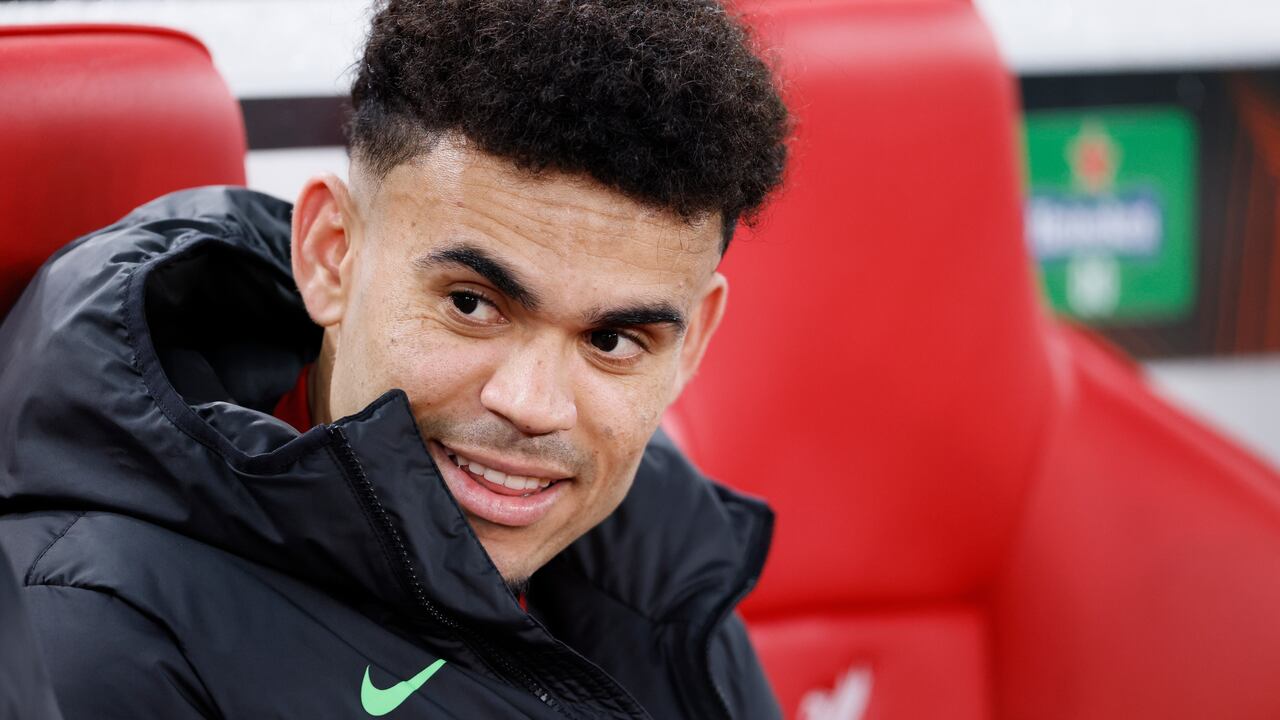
(321, 378)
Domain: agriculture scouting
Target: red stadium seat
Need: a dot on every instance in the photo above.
(98, 120)
(981, 513)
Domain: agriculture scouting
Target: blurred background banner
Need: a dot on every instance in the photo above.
(1152, 148)
(1111, 211)
(1152, 206)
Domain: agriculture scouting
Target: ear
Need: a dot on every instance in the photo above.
(324, 221)
(703, 322)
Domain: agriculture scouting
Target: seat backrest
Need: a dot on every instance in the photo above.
(96, 120)
(1144, 580)
(881, 375)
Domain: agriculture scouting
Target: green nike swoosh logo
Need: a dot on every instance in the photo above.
(380, 702)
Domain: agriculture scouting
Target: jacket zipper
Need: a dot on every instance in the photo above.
(403, 568)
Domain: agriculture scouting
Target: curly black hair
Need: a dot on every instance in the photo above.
(665, 101)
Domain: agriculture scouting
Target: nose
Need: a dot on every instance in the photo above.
(531, 388)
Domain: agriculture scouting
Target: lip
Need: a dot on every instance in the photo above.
(485, 500)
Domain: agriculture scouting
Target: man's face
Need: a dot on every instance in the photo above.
(539, 325)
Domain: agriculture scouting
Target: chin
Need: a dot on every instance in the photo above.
(515, 565)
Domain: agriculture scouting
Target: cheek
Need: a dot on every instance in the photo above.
(437, 367)
(389, 340)
(621, 415)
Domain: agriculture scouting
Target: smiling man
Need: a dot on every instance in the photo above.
(392, 450)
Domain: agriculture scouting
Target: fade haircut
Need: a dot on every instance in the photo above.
(664, 101)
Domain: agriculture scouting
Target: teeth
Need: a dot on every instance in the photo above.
(515, 482)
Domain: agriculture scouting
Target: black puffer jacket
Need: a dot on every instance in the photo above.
(25, 693)
(186, 554)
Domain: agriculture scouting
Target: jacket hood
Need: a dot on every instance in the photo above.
(139, 370)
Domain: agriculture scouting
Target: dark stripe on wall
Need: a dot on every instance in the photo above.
(295, 122)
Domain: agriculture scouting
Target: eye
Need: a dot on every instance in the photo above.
(614, 344)
(474, 307)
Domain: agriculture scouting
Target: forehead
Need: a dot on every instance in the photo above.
(549, 222)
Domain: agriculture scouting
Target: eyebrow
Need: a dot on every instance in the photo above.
(498, 273)
(508, 282)
(660, 313)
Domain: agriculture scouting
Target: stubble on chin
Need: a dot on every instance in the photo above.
(518, 586)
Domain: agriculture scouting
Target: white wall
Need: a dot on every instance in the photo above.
(1241, 396)
(1075, 36)
(282, 172)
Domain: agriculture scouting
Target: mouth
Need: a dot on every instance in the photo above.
(514, 496)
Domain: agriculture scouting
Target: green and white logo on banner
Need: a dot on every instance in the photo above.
(1111, 211)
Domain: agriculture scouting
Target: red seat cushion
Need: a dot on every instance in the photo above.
(909, 663)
